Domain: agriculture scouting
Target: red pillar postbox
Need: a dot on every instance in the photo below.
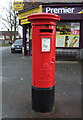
(43, 60)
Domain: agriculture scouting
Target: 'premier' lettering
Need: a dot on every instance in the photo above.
(59, 10)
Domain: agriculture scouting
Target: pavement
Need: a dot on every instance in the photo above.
(16, 88)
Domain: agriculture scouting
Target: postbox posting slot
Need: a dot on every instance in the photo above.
(46, 30)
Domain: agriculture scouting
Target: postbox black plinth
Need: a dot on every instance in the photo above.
(43, 99)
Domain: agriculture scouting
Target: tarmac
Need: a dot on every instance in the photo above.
(16, 88)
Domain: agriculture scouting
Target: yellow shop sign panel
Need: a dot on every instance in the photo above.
(18, 5)
(29, 12)
(24, 21)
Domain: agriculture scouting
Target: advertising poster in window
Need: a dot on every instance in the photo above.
(68, 34)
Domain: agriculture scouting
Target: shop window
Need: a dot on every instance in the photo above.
(67, 34)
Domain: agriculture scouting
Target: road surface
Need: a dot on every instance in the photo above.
(16, 88)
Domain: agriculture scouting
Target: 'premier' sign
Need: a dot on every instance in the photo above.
(59, 10)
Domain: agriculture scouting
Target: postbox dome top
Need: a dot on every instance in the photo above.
(43, 16)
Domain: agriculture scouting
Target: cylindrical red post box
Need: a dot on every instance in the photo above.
(43, 60)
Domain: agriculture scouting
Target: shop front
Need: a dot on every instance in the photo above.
(27, 34)
(69, 37)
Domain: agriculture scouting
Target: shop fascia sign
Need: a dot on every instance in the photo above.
(23, 16)
(29, 12)
(65, 10)
(18, 5)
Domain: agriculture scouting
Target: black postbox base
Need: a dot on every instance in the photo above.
(43, 99)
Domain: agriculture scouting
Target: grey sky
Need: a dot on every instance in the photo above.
(4, 4)
(3, 13)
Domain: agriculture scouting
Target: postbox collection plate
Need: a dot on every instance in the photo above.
(46, 44)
